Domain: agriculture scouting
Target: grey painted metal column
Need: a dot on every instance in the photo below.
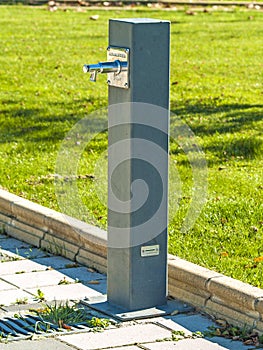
(138, 78)
(139, 121)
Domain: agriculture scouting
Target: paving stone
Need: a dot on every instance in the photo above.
(93, 280)
(234, 293)
(229, 344)
(193, 323)
(37, 279)
(12, 244)
(6, 286)
(232, 312)
(101, 287)
(9, 297)
(133, 347)
(24, 253)
(129, 335)
(32, 253)
(4, 220)
(41, 344)
(83, 274)
(16, 232)
(6, 255)
(171, 324)
(74, 291)
(185, 344)
(14, 267)
(56, 262)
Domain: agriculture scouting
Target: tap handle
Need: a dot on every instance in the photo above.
(93, 76)
(93, 69)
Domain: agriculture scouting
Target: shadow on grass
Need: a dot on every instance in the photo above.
(235, 116)
(238, 121)
(39, 125)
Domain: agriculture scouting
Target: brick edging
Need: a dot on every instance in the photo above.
(237, 302)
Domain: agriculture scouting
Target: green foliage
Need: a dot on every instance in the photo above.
(40, 296)
(98, 323)
(21, 301)
(216, 89)
(225, 330)
(65, 315)
(177, 335)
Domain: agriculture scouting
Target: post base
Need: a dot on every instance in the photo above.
(101, 304)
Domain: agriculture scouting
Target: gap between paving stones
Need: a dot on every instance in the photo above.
(213, 293)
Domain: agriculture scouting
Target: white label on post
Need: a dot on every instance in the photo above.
(150, 250)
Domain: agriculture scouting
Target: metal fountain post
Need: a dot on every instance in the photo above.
(137, 70)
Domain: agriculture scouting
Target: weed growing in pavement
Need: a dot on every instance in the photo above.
(40, 296)
(179, 335)
(65, 316)
(244, 334)
(21, 301)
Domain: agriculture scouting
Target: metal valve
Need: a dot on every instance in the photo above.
(116, 67)
(105, 67)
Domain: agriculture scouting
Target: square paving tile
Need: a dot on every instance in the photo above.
(93, 280)
(56, 262)
(122, 336)
(229, 344)
(6, 255)
(193, 323)
(6, 286)
(40, 344)
(9, 297)
(23, 253)
(30, 253)
(98, 285)
(13, 244)
(15, 267)
(132, 347)
(171, 324)
(185, 344)
(37, 279)
(82, 274)
(75, 291)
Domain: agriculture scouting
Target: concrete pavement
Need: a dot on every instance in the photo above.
(24, 270)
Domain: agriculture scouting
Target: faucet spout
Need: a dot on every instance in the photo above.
(117, 67)
(105, 67)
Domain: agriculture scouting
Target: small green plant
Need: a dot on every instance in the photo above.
(29, 254)
(40, 296)
(21, 301)
(4, 338)
(65, 315)
(179, 335)
(229, 331)
(98, 324)
(6, 257)
(64, 281)
(56, 248)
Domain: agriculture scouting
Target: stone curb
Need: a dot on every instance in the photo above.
(220, 296)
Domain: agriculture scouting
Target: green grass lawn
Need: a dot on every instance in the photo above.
(216, 89)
